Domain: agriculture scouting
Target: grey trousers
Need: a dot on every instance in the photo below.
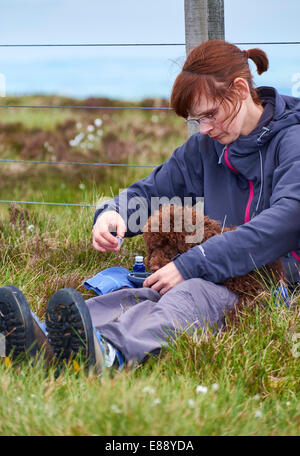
(139, 321)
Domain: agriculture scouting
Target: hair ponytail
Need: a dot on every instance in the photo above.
(260, 59)
(210, 69)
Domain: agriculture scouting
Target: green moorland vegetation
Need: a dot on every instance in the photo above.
(243, 381)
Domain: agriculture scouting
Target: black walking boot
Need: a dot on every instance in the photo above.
(70, 330)
(21, 334)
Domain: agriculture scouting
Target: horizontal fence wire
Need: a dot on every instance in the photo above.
(48, 204)
(98, 107)
(267, 42)
(41, 162)
(11, 246)
(87, 107)
(89, 44)
(137, 44)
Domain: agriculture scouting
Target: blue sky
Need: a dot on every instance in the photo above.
(130, 72)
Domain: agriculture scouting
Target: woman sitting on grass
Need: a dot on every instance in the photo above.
(245, 162)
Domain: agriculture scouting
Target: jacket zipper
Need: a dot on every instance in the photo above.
(251, 192)
(295, 255)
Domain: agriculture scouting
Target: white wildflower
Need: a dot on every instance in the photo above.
(99, 132)
(256, 397)
(91, 137)
(201, 389)
(78, 125)
(154, 119)
(79, 137)
(18, 399)
(48, 146)
(156, 401)
(215, 386)
(191, 403)
(288, 403)
(90, 128)
(98, 122)
(81, 186)
(53, 158)
(30, 228)
(115, 408)
(148, 389)
(258, 414)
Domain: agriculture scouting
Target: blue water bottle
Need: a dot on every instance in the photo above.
(139, 265)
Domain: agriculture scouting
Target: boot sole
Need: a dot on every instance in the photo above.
(16, 322)
(69, 326)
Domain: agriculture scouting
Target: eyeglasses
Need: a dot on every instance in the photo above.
(207, 119)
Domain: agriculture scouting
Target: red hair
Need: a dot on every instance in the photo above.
(210, 69)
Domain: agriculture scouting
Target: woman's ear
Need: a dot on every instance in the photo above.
(241, 86)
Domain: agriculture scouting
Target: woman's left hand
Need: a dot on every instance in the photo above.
(164, 279)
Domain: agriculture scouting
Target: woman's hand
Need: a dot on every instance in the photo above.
(102, 238)
(164, 279)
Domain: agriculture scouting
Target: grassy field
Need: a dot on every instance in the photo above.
(244, 381)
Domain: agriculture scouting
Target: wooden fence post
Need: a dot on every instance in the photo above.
(204, 20)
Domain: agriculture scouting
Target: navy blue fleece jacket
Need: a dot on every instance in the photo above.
(253, 182)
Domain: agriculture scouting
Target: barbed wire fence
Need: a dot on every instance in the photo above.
(192, 40)
(39, 162)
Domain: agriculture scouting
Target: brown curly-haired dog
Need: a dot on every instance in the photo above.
(175, 229)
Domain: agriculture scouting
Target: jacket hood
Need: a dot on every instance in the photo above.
(286, 114)
(286, 109)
